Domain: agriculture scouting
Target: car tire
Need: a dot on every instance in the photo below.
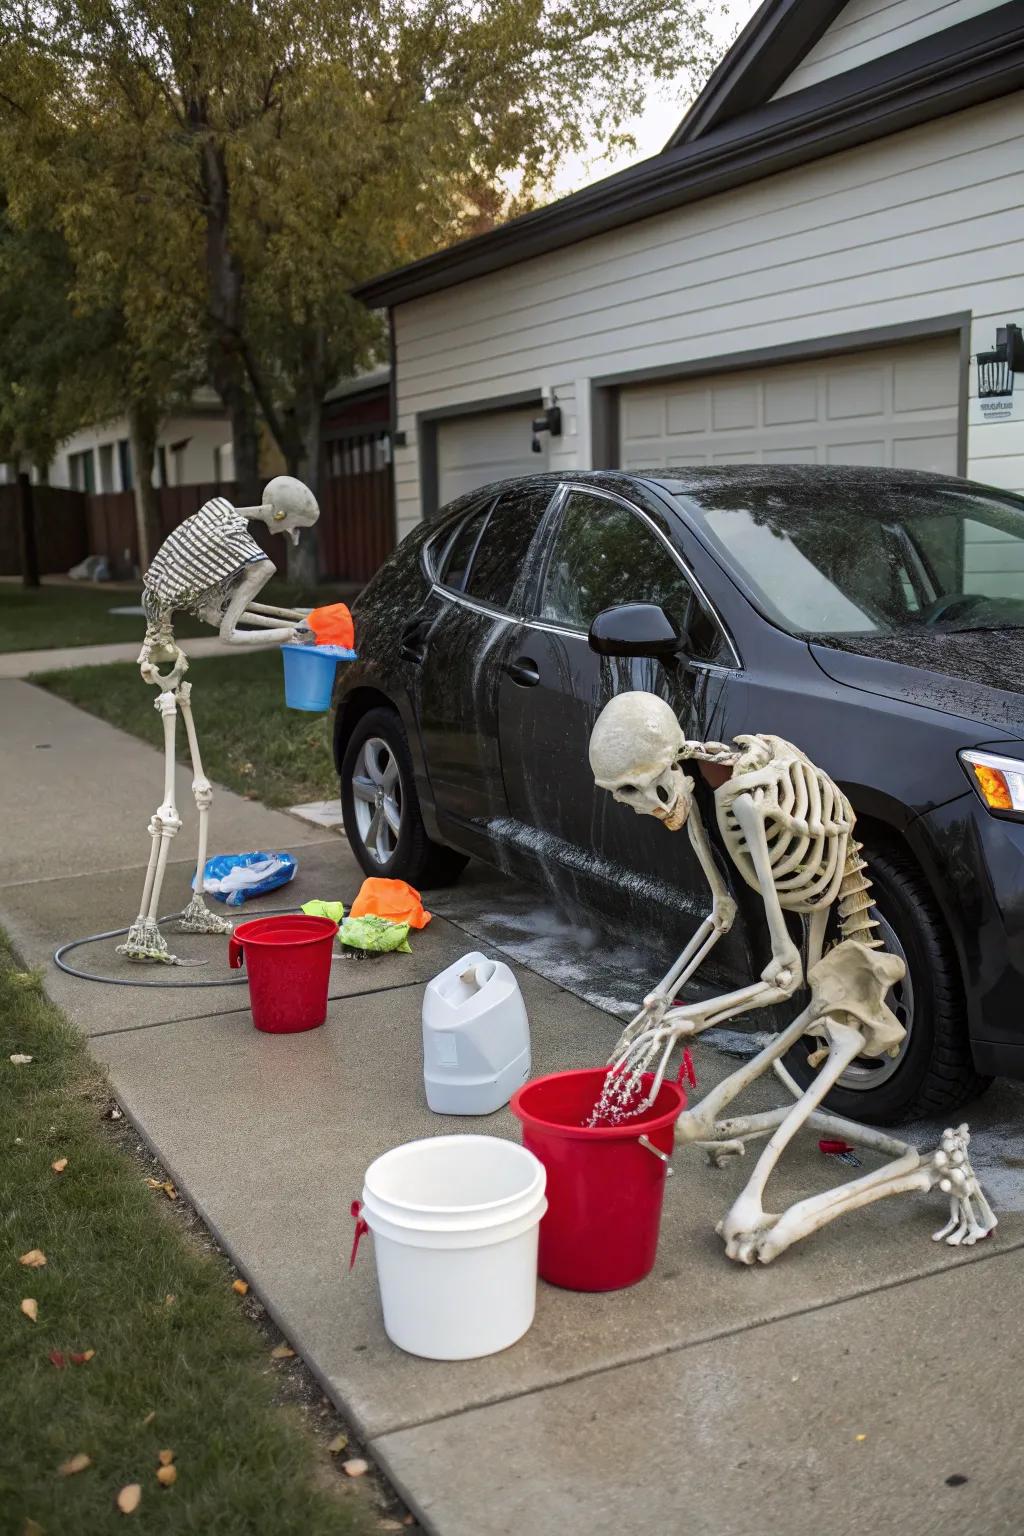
(935, 1073)
(378, 754)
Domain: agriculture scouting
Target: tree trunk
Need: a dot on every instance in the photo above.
(143, 425)
(27, 533)
(304, 561)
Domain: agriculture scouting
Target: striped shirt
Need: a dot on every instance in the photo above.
(199, 556)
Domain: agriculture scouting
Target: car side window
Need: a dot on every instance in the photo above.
(603, 555)
(455, 561)
(505, 544)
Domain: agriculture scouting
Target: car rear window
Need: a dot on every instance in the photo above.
(456, 558)
(505, 544)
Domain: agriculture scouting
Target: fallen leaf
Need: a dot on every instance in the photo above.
(240, 1287)
(82, 1357)
(338, 1444)
(77, 1463)
(20, 1060)
(34, 1259)
(57, 1359)
(30, 1307)
(59, 1165)
(165, 1458)
(282, 1352)
(169, 1190)
(32, 1528)
(155, 1183)
(356, 1467)
(859, 1438)
(166, 1476)
(150, 1417)
(129, 1499)
(170, 1299)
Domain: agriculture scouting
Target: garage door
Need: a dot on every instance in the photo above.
(898, 408)
(473, 450)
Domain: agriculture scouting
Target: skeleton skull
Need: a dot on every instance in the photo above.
(291, 504)
(634, 751)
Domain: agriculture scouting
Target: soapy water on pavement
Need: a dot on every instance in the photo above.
(612, 975)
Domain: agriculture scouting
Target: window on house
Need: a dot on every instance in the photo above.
(106, 475)
(124, 464)
(160, 464)
(82, 471)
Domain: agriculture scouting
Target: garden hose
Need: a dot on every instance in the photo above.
(124, 981)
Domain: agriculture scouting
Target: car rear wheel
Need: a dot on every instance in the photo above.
(381, 809)
(933, 1074)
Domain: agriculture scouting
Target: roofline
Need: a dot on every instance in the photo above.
(773, 42)
(973, 62)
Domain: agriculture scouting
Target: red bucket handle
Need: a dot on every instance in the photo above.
(236, 953)
(361, 1229)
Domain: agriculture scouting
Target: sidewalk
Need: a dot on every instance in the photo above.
(836, 1391)
(25, 663)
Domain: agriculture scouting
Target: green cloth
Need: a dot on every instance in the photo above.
(335, 910)
(376, 935)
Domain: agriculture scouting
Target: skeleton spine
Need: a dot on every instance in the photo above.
(855, 901)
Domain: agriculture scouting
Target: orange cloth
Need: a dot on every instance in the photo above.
(392, 899)
(333, 625)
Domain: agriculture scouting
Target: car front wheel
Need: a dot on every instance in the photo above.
(381, 809)
(933, 1073)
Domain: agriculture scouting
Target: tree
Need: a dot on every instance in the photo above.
(306, 144)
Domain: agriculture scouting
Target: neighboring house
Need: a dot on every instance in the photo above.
(193, 447)
(806, 273)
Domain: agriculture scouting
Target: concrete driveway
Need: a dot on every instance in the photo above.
(866, 1380)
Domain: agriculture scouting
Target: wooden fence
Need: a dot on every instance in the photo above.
(61, 535)
(356, 527)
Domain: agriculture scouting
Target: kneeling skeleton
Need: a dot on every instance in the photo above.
(212, 567)
(788, 830)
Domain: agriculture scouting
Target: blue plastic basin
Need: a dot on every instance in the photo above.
(309, 675)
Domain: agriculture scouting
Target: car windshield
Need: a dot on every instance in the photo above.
(851, 555)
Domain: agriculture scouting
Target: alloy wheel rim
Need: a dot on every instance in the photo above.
(869, 1072)
(377, 796)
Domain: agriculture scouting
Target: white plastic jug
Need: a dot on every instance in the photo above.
(476, 1037)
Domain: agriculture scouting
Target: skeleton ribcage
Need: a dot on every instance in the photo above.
(807, 822)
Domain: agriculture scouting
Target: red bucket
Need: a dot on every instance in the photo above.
(604, 1187)
(288, 962)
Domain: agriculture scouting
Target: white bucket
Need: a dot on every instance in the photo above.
(455, 1222)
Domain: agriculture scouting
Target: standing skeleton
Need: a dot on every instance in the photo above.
(788, 830)
(212, 567)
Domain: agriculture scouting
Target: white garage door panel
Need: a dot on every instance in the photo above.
(898, 408)
(474, 450)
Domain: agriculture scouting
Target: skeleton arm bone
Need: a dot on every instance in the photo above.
(785, 955)
(719, 921)
(254, 579)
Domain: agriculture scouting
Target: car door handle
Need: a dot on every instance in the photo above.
(412, 643)
(523, 671)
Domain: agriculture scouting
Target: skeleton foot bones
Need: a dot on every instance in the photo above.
(212, 567)
(788, 832)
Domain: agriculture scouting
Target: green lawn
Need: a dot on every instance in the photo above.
(248, 739)
(40, 618)
(178, 1365)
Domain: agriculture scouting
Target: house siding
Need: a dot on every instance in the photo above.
(923, 224)
(867, 29)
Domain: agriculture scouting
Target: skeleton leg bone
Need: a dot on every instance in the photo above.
(145, 941)
(197, 917)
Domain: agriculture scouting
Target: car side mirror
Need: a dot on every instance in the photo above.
(637, 629)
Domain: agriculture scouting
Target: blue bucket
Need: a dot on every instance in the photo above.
(309, 675)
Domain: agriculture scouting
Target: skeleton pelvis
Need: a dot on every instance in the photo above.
(849, 984)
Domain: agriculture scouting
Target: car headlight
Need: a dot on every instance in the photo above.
(998, 780)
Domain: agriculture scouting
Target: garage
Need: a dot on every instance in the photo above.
(493, 445)
(897, 407)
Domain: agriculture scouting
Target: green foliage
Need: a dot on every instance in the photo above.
(223, 173)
